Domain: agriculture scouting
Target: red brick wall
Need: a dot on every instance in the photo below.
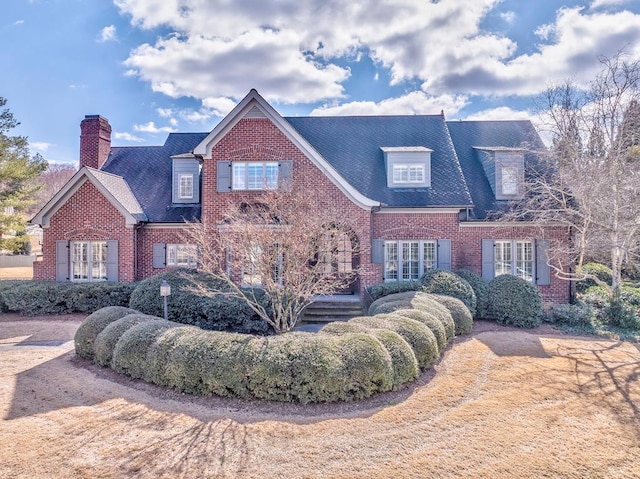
(95, 141)
(87, 216)
(254, 139)
(147, 237)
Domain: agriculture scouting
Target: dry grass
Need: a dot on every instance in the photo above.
(501, 404)
(16, 273)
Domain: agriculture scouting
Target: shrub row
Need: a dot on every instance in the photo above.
(32, 298)
(188, 305)
(514, 301)
(450, 284)
(345, 361)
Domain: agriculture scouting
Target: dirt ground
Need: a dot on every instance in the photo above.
(500, 404)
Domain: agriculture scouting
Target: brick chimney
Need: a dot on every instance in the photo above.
(95, 141)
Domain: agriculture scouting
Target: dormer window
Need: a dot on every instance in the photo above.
(408, 166)
(509, 182)
(185, 186)
(504, 168)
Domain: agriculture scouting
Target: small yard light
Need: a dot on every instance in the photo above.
(165, 290)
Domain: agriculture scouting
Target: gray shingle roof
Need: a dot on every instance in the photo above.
(490, 134)
(147, 171)
(118, 187)
(352, 145)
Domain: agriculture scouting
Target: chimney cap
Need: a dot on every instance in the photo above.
(92, 117)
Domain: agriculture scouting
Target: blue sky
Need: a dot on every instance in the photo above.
(154, 66)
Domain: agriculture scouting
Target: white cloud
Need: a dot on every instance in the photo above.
(151, 127)
(414, 103)
(500, 113)
(296, 52)
(124, 136)
(40, 146)
(108, 34)
(19, 22)
(165, 112)
(508, 17)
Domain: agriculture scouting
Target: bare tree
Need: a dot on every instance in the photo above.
(276, 252)
(51, 181)
(590, 181)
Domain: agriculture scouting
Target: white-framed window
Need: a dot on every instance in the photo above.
(255, 175)
(182, 255)
(185, 186)
(408, 173)
(510, 179)
(408, 260)
(514, 257)
(88, 261)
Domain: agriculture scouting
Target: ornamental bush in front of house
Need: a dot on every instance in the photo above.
(187, 306)
(514, 301)
(443, 282)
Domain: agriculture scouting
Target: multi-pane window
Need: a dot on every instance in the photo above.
(256, 264)
(185, 186)
(182, 255)
(408, 260)
(514, 257)
(335, 254)
(407, 173)
(255, 175)
(251, 267)
(509, 180)
(89, 260)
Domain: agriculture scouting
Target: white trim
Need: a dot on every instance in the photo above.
(168, 226)
(43, 217)
(505, 224)
(421, 210)
(253, 100)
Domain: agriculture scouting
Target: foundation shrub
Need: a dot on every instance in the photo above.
(34, 298)
(6, 285)
(514, 301)
(461, 315)
(93, 325)
(600, 271)
(419, 336)
(429, 320)
(479, 286)
(579, 314)
(187, 306)
(450, 284)
(130, 353)
(384, 289)
(106, 340)
(403, 360)
(366, 366)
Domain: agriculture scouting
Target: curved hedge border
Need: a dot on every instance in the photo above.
(345, 361)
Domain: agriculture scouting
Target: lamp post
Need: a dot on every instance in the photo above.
(165, 290)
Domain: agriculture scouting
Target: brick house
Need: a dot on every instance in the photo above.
(419, 190)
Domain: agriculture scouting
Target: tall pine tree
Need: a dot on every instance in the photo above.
(17, 171)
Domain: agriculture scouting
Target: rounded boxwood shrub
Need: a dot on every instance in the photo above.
(419, 336)
(380, 290)
(514, 301)
(578, 314)
(221, 313)
(110, 335)
(93, 325)
(130, 353)
(479, 286)
(403, 359)
(459, 312)
(600, 271)
(449, 284)
(435, 325)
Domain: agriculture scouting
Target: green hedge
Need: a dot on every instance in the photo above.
(600, 271)
(419, 336)
(514, 301)
(459, 312)
(219, 313)
(435, 325)
(106, 341)
(93, 325)
(34, 298)
(479, 286)
(4, 286)
(384, 289)
(450, 284)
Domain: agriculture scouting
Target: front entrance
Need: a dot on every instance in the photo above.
(339, 256)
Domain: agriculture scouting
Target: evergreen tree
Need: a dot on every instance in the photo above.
(17, 171)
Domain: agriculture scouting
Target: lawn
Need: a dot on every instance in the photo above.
(501, 403)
